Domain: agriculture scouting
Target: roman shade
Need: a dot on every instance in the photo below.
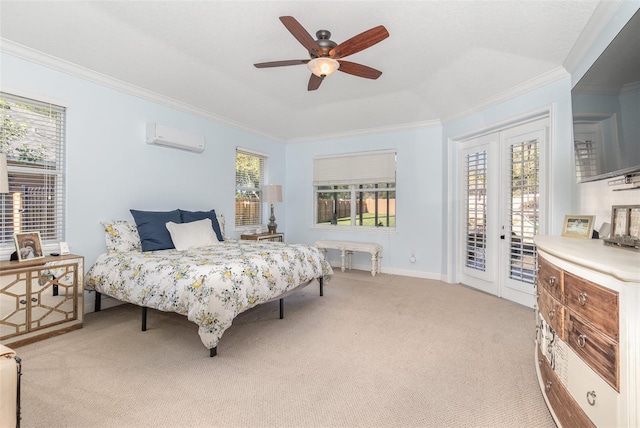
(355, 168)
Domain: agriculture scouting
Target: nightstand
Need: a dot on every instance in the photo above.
(275, 237)
(40, 298)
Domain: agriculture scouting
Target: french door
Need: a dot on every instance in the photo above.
(501, 204)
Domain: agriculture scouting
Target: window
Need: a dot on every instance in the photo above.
(356, 190)
(249, 180)
(32, 135)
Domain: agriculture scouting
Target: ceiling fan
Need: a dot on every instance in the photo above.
(326, 55)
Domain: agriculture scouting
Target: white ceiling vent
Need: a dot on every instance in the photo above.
(161, 135)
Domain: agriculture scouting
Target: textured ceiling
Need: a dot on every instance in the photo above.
(442, 58)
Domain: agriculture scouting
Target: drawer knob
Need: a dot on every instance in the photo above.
(591, 398)
(582, 340)
(552, 281)
(552, 313)
(547, 387)
(582, 298)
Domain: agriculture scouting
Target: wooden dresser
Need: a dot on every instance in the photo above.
(40, 298)
(588, 332)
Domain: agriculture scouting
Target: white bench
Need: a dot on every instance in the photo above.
(348, 247)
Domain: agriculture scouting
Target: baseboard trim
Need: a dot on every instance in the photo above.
(391, 271)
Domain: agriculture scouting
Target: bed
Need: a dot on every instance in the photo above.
(208, 284)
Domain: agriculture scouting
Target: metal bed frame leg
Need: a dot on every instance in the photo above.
(97, 305)
(144, 318)
(213, 351)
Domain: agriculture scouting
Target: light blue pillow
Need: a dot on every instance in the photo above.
(189, 216)
(152, 228)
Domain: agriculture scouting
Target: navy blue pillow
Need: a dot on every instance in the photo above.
(189, 216)
(152, 228)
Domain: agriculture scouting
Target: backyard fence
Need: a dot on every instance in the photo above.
(248, 209)
(325, 208)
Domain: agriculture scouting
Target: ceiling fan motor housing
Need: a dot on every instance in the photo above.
(324, 43)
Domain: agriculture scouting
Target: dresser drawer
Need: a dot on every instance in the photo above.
(550, 279)
(596, 349)
(566, 409)
(596, 398)
(552, 311)
(593, 303)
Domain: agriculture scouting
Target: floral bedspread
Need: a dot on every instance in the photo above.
(210, 285)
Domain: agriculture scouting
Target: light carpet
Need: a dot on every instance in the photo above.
(389, 351)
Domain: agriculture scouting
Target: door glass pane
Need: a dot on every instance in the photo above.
(476, 190)
(524, 214)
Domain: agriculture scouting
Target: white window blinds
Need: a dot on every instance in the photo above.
(33, 138)
(249, 180)
(355, 168)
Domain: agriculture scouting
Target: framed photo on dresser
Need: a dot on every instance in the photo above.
(578, 226)
(28, 246)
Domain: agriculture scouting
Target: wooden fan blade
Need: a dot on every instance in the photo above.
(281, 63)
(359, 70)
(359, 42)
(314, 82)
(301, 34)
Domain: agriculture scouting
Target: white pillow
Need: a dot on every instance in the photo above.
(192, 235)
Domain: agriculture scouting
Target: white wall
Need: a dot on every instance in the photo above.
(110, 168)
(419, 199)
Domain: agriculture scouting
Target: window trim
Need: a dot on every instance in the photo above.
(57, 169)
(372, 167)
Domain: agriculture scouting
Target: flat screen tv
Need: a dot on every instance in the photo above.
(606, 110)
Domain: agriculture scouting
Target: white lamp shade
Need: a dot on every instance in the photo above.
(4, 174)
(272, 193)
(323, 66)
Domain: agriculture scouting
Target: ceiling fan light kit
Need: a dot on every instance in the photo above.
(326, 54)
(323, 66)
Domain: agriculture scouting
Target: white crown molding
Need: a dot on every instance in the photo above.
(605, 11)
(11, 48)
(15, 49)
(551, 76)
(367, 131)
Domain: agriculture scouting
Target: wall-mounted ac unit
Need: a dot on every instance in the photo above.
(170, 137)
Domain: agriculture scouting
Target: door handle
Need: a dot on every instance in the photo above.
(501, 236)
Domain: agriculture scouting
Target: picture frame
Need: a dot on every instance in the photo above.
(28, 246)
(578, 226)
(625, 227)
(625, 221)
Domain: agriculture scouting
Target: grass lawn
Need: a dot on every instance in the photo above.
(367, 220)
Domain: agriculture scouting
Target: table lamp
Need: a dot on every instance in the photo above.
(272, 193)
